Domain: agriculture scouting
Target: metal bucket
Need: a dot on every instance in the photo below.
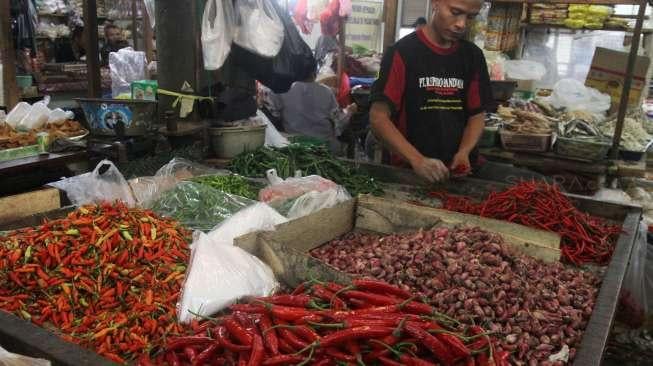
(119, 117)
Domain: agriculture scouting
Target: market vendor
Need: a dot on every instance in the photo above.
(310, 109)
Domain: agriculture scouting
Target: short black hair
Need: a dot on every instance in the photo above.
(419, 21)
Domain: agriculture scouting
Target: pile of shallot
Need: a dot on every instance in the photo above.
(535, 308)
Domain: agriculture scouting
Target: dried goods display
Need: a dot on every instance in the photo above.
(370, 322)
(537, 310)
(106, 277)
(10, 138)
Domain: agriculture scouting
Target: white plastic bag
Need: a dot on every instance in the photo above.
(291, 188)
(259, 30)
(37, 117)
(126, 66)
(218, 27)
(272, 136)
(104, 183)
(17, 113)
(315, 8)
(12, 359)
(58, 115)
(524, 70)
(575, 96)
(220, 273)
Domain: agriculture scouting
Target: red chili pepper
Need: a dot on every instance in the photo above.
(372, 285)
(414, 361)
(369, 298)
(172, 359)
(258, 352)
(342, 336)
(205, 355)
(223, 338)
(238, 331)
(501, 358)
(323, 293)
(190, 353)
(288, 313)
(291, 339)
(339, 355)
(305, 333)
(181, 342)
(302, 301)
(282, 360)
(269, 334)
(438, 349)
(388, 362)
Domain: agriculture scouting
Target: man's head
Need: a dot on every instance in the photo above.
(419, 23)
(112, 33)
(450, 18)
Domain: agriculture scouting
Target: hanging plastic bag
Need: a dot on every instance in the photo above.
(220, 273)
(294, 61)
(218, 27)
(330, 19)
(632, 299)
(12, 359)
(345, 8)
(126, 66)
(260, 29)
(272, 137)
(315, 8)
(300, 17)
(104, 183)
(198, 206)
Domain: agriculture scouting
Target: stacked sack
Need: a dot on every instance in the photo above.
(554, 14)
(588, 16)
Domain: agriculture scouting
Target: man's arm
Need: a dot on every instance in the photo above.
(383, 128)
(471, 135)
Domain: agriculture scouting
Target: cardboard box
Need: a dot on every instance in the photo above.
(608, 71)
(144, 89)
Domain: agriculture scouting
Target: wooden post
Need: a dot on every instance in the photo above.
(176, 47)
(390, 20)
(92, 52)
(341, 49)
(148, 37)
(11, 94)
(630, 70)
(135, 24)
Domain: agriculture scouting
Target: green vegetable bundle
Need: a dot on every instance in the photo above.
(310, 160)
(231, 183)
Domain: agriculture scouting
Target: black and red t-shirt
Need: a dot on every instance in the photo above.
(432, 92)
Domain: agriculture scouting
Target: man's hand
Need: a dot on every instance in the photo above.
(432, 170)
(460, 164)
(351, 109)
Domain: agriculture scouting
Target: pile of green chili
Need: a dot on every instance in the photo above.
(310, 160)
(231, 183)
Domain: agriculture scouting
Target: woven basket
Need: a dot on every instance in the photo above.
(587, 150)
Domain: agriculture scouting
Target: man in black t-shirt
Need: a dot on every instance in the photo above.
(430, 99)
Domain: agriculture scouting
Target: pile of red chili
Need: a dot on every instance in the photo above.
(585, 239)
(368, 323)
(107, 277)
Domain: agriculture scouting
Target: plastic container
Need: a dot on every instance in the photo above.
(582, 149)
(16, 115)
(37, 117)
(118, 117)
(525, 142)
(227, 142)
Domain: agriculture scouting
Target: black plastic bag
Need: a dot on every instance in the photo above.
(294, 61)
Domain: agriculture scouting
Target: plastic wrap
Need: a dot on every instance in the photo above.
(219, 273)
(198, 206)
(260, 29)
(104, 183)
(218, 28)
(126, 66)
(12, 359)
(575, 96)
(632, 300)
(314, 201)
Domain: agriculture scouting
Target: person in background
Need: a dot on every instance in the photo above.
(113, 42)
(74, 50)
(419, 23)
(310, 109)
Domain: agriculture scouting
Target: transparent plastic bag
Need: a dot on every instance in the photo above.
(36, 117)
(126, 66)
(104, 183)
(17, 113)
(220, 273)
(148, 189)
(272, 136)
(575, 96)
(281, 191)
(12, 359)
(524, 70)
(314, 201)
(632, 299)
(218, 28)
(260, 29)
(198, 206)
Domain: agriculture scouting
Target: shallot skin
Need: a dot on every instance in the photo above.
(470, 274)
